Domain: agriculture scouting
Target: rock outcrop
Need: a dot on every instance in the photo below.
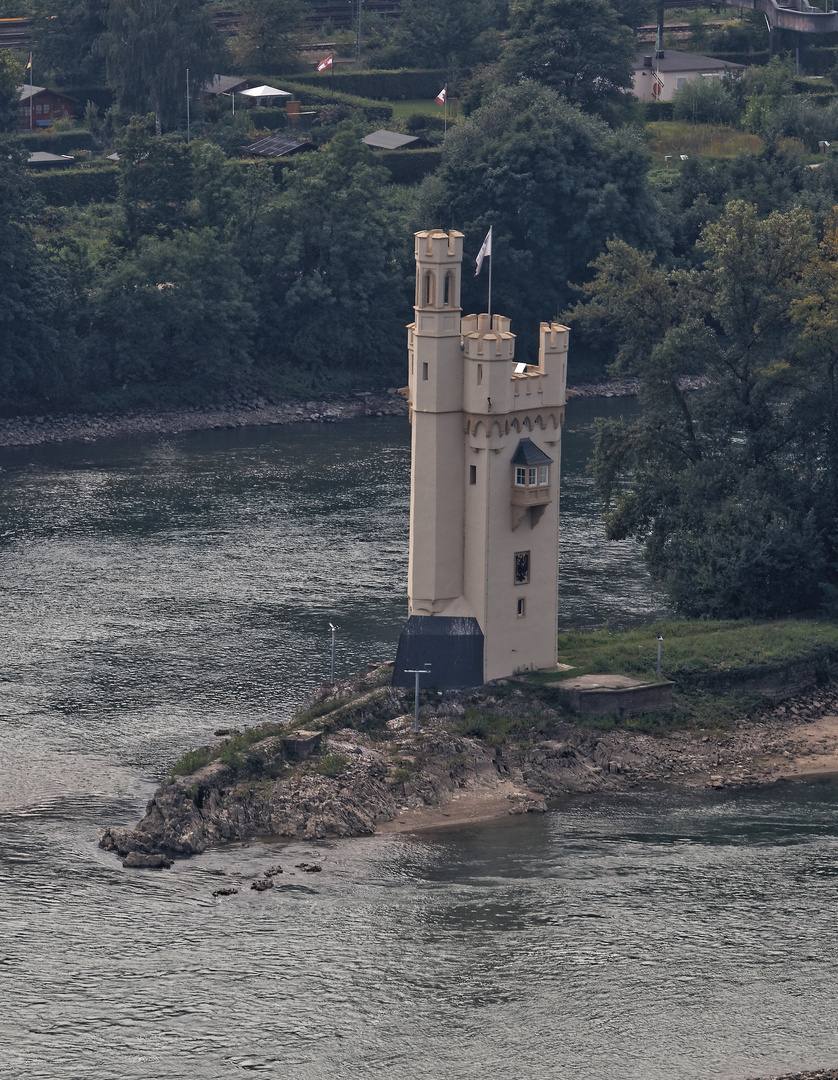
(362, 778)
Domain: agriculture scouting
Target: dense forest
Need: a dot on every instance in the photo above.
(197, 275)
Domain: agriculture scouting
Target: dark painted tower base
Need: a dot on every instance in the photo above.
(453, 647)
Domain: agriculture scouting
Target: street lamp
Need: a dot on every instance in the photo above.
(334, 631)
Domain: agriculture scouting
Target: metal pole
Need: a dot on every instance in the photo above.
(426, 670)
(660, 643)
(416, 705)
(188, 122)
(333, 629)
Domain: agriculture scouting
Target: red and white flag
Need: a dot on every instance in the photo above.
(441, 96)
(324, 65)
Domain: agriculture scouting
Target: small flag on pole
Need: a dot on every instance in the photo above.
(442, 96)
(324, 65)
(28, 63)
(485, 251)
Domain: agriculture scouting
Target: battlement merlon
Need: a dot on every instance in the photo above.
(552, 358)
(438, 246)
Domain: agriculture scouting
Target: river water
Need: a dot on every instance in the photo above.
(154, 588)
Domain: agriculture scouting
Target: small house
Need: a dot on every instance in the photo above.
(39, 106)
(657, 78)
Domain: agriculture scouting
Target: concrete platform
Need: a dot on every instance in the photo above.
(613, 695)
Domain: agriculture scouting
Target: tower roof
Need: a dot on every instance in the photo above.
(527, 453)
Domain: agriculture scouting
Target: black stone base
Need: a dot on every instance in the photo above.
(452, 647)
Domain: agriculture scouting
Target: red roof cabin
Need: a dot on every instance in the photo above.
(40, 106)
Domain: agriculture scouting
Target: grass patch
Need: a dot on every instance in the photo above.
(699, 654)
(676, 137)
(403, 109)
(234, 753)
(498, 728)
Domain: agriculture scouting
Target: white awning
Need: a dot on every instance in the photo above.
(264, 92)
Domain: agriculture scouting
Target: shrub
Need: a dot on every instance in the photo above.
(706, 101)
(192, 761)
(332, 765)
(409, 166)
(77, 187)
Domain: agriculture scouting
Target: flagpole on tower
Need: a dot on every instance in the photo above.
(485, 252)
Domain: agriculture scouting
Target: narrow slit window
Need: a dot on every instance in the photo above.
(479, 374)
(424, 372)
(427, 296)
(448, 289)
(472, 474)
(522, 607)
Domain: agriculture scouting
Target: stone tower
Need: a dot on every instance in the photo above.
(484, 493)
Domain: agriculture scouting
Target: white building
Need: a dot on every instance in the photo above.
(484, 503)
(657, 78)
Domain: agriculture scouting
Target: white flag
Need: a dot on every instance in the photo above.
(442, 96)
(484, 251)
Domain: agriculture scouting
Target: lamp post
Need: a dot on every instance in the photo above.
(660, 645)
(334, 631)
(426, 670)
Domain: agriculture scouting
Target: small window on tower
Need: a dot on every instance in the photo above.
(472, 474)
(522, 608)
(522, 567)
(424, 372)
(479, 374)
(543, 474)
(533, 473)
(520, 476)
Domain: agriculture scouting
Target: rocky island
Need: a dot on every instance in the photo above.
(350, 764)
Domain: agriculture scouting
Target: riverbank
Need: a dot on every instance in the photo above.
(366, 772)
(78, 427)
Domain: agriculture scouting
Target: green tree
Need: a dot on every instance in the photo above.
(155, 182)
(174, 314)
(444, 33)
(706, 101)
(268, 34)
(582, 51)
(553, 183)
(63, 36)
(148, 47)
(36, 363)
(335, 289)
(717, 485)
(11, 78)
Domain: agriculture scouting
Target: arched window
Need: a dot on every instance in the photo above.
(448, 289)
(428, 290)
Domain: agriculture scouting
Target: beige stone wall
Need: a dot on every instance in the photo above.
(470, 407)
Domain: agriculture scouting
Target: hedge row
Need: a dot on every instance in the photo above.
(819, 60)
(76, 187)
(658, 110)
(316, 95)
(402, 85)
(746, 58)
(58, 142)
(409, 166)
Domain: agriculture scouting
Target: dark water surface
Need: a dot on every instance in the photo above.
(155, 588)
